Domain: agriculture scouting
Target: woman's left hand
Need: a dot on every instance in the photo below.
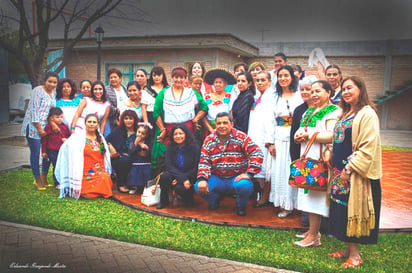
(345, 178)
(161, 136)
(196, 124)
(327, 157)
(42, 133)
(187, 184)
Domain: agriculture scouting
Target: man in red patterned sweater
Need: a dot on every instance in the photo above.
(228, 161)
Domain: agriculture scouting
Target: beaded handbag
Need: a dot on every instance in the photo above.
(309, 173)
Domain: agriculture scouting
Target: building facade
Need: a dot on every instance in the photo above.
(386, 66)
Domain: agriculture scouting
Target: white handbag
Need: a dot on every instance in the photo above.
(151, 194)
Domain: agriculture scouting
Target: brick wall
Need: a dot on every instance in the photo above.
(369, 68)
(82, 65)
(400, 112)
(401, 71)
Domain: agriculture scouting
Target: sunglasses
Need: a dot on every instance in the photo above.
(331, 74)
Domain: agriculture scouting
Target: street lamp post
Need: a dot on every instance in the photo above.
(99, 33)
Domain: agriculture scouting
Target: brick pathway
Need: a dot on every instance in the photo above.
(32, 249)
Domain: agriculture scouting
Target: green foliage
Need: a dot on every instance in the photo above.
(22, 203)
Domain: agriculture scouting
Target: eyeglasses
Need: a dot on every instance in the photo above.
(331, 74)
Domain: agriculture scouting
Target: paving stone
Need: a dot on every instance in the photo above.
(79, 253)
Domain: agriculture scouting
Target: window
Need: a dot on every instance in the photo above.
(128, 70)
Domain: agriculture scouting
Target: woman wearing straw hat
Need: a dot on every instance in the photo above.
(218, 101)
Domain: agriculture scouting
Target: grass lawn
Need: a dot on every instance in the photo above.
(21, 203)
(393, 148)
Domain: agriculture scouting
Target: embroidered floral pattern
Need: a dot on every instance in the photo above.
(308, 174)
(310, 119)
(340, 128)
(225, 100)
(95, 145)
(337, 186)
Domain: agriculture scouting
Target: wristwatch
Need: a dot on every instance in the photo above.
(347, 171)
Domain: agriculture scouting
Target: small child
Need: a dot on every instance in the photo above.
(140, 153)
(51, 143)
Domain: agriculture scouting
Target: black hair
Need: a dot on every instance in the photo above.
(300, 70)
(282, 55)
(326, 85)
(191, 68)
(50, 74)
(135, 83)
(190, 139)
(83, 81)
(129, 113)
(104, 98)
(158, 70)
(249, 79)
(293, 85)
(59, 88)
(55, 111)
(98, 136)
(239, 65)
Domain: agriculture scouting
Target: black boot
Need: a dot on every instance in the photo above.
(241, 211)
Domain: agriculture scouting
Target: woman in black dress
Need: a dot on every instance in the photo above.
(243, 103)
(182, 158)
(357, 167)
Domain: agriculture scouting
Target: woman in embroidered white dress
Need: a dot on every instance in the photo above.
(175, 104)
(278, 140)
(257, 132)
(320, 119)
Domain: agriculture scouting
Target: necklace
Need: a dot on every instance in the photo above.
(308, 117)
(288, 106)
(173, 94)
(312, 113)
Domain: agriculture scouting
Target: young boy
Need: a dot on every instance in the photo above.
(51, 143)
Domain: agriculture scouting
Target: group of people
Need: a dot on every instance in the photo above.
(217, 133)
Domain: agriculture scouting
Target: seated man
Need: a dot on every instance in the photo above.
(228, 161)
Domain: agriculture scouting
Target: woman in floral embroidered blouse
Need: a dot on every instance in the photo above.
(319, 119)
(217, 101)
(83, 166)
(357, 167)
(42, 99)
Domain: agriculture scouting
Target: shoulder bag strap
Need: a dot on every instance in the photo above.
(311, 140)
(157, 183)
